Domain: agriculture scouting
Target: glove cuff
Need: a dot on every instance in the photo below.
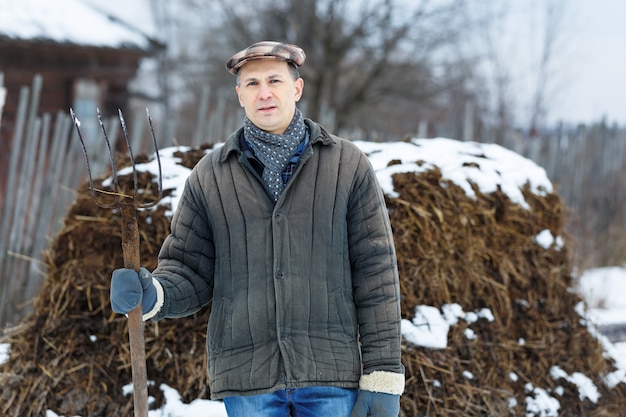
(383, 381)
(160, 299)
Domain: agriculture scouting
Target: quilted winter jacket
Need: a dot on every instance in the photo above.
(295, 286)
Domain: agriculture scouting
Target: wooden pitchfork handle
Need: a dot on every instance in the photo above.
(130, 249)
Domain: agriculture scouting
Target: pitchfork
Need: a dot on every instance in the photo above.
(128, 205)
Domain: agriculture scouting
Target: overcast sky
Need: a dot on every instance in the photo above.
(592, 71)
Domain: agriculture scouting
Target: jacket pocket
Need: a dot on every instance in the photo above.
(345, 313)
(220, 324)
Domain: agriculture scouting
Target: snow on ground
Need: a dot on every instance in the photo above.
(604, 290)
(488, 166)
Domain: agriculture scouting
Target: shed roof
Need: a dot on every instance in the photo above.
(79, 22)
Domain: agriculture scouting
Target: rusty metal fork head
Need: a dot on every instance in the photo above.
(120, 199)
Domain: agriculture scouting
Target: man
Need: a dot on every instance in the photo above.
(284, 229)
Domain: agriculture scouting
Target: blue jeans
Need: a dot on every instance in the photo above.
(298, 402)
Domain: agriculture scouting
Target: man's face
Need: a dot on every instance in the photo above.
(268, 94)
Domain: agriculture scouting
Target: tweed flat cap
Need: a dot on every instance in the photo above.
(266, 50)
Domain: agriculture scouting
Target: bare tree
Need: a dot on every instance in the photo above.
(385, 57)
(553, 16)
(520, 51)
(375, 65)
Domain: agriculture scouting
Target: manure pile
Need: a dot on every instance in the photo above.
(71, 354)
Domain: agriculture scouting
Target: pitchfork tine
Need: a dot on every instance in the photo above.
(82, 142)
(114, 170)
(158, 158)
(130, 151)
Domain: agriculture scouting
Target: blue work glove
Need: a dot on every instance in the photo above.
(376, 404)
(129, 289)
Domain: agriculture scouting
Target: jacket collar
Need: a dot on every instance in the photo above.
(317, 134)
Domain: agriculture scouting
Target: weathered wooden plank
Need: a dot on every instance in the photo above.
(8, 209)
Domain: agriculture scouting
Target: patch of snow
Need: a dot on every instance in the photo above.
(545, 239)
(490, 167)
(586, 387)
(5, 349)
(539, 403)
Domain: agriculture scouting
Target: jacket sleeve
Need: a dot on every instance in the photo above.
(375, 283)
(186, 259)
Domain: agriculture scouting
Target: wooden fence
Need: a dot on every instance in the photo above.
(587, 164)
(42, 173)
(46, 165)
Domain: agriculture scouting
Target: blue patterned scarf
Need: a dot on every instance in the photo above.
(275, 150)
